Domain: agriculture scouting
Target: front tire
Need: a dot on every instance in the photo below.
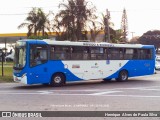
(57, 80)
(123, 76)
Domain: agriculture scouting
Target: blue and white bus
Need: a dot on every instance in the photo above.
(57, 62)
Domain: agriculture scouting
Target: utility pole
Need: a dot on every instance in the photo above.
(2, 57)
(5, 43)
(124, 25)
(132, 34)
(107, 29)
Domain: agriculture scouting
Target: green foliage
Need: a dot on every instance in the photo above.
(75, 17)
(38, 37)
(8, 71)
(117, 37)
(37, 22)
(5, 79)
(72, 19)
(150, 38)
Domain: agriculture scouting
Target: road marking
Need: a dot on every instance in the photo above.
(27, 93)
(136, 96)
(16, 93)
(102, 93)
(151, 89)
(133, 96)
(79, 90)
(45, 92)
(91, 92)
(136, 88)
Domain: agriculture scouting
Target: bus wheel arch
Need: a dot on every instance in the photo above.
(58, 79)
(122, 76)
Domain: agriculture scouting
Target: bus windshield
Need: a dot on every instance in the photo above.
(20, 55)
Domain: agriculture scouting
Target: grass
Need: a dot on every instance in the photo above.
(6, 63)
(6, 79)
(7, 72)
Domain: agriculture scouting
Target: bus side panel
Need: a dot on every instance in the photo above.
(43, 73)
(38, 74)
(136, 68)
(93, 69)
(75, 71)
(142, 67)
(57, 66)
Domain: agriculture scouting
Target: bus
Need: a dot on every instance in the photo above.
(57, 62)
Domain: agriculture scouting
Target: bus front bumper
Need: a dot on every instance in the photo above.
(22, 79)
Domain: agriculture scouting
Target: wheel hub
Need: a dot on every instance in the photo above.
(57, 79)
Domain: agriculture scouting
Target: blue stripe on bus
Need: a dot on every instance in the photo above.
(43, 73)
(136, 68)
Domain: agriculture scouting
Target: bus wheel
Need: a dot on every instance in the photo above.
(57, 80)
(123, 76)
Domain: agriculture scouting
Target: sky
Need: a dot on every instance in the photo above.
(142, 15)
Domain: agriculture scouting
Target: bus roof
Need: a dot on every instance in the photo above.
(98, 44)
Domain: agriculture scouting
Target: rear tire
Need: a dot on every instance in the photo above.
(57, 80)
(123, 76)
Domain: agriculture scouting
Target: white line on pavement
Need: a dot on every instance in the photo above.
(45, 92)
(102, 93)
(98, 94)
(136, 96)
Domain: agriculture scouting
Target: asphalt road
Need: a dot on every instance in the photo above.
(137, 94)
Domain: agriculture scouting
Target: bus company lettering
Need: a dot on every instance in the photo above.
(97, 44)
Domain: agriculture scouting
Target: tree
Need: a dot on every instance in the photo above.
(134, 40)
(73, 18)
(58, 29)
(36, 22)
(108, 30)
(117, 36)
(95, 30)
(151, 38)
(43, 23)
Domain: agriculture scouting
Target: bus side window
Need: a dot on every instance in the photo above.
(128, 54)
(149, 54)
(109, 54)
(114, 54)
(121, 54)
(105, 54)
(37, 58)
(86, 54)
(61, 53)
(77, 53)
(142, 53)
(38, 54)
(135, 54)
(145, 54)
(52, 53)
(58, 55)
